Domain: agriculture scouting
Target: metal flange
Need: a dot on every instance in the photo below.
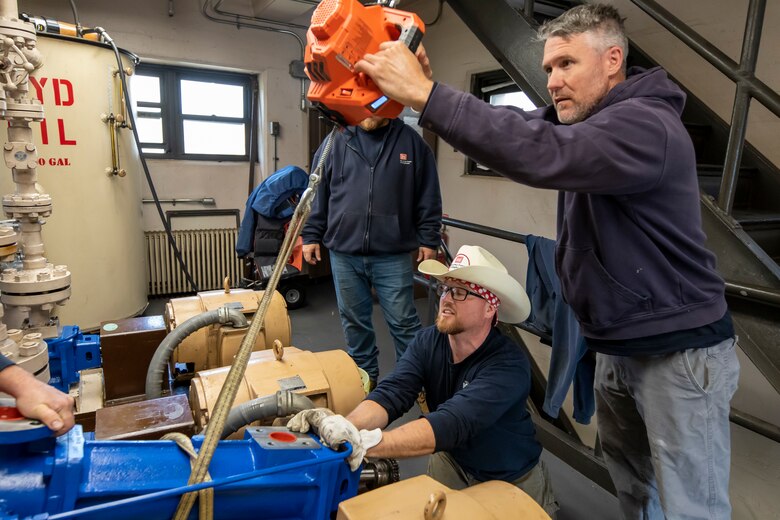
(16, 429)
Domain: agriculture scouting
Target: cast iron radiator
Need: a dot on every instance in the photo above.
(210, 255)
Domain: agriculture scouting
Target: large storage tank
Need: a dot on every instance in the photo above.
(95, 226)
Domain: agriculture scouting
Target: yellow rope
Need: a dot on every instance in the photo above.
(206, 496)
(236, 373)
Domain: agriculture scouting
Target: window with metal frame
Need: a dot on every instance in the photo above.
(497, 88)
(187, 113)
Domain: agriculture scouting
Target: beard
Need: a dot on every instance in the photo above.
(448, 325)
(580, 113)
(372, 123)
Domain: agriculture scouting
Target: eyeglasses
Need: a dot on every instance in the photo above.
(458, 294)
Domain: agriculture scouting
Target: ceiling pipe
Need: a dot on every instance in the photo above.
(238, 24)
(239, 16)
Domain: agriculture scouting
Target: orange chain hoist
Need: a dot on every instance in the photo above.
(340, 34)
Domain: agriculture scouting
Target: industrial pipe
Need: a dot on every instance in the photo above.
(280, 404)
(154, 376)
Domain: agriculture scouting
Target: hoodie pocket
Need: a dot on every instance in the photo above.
(385, 235)
(348, 232)
(594, 295)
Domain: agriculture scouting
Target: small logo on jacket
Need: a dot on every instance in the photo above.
(404, 159)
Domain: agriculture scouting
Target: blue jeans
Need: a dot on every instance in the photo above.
(663, 422)
(391, 277)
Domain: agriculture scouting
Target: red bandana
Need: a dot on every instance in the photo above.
(489, 297)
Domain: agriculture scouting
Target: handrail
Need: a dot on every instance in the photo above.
(484, 230)
(717, 58)
(754, 293)
(743, 74)
(762, 295)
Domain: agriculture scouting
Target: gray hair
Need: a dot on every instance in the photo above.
(604, 21)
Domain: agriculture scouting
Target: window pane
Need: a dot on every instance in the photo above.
(211, 99)
(158, 151)
(145, 88)
(150, 129)
(149, 110)
(205, 137)
(517, 99)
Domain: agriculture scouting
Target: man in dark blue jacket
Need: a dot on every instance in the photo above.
(476, 383)
(631, 253)
(378, 200)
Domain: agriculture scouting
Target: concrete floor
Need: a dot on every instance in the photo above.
(317, 327)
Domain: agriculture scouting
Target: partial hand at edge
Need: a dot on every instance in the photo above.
(37, 400)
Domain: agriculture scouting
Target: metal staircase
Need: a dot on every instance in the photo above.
(740, 188)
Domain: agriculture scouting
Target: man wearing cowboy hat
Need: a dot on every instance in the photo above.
(476, 383)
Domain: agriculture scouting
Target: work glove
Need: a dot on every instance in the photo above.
(308, 420)
(335, 430)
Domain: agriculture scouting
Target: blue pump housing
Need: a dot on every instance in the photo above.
(70, 353)
(272, 473)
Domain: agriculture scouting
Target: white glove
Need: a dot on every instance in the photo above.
(370, 438)
(334, 430)
(308, 419)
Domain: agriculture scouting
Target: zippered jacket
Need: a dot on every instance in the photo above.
(630, 253)
(389, 207)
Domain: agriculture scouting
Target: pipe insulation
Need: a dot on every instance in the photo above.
(280, 404)
(154, 376)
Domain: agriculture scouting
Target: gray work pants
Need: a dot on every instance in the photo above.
(536, 483)
(663, 422)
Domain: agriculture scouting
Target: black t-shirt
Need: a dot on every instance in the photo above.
(698, 337)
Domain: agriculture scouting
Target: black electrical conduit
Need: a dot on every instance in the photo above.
(166, 225)
(239, 16)
(156, 371)
(238, 24)
(280, 404)
(253, 118)
(76, 21)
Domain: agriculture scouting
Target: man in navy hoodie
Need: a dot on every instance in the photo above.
(630, 254)
(377, 202)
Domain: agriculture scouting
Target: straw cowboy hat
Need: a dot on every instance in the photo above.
(476, 265)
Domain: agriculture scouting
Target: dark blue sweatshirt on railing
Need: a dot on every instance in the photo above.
(379, 193)
(630, 254)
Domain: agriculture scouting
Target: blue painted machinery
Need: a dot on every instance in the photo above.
(271, 473)
(70, 353)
